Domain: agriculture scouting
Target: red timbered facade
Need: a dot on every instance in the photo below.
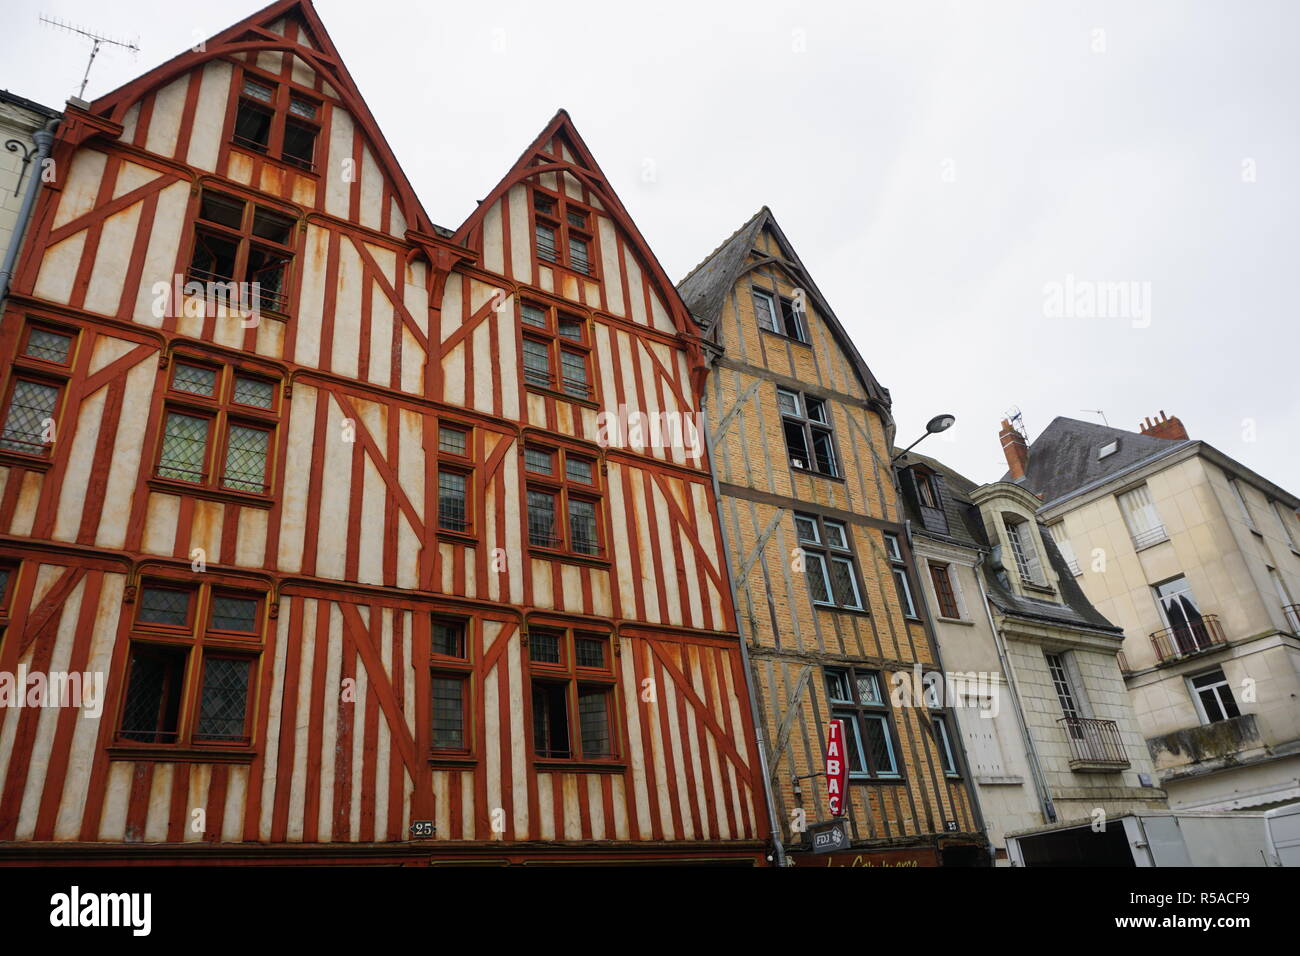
(368, 559)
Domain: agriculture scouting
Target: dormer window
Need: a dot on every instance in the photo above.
(1021, 538)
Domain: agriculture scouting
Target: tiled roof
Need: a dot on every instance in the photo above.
(1064, 457)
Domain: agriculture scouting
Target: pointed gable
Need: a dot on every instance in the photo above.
(188, 110)
(760, 244)
(554, 223)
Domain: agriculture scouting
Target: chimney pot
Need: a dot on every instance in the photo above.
(1165, 426)
(1015, 449)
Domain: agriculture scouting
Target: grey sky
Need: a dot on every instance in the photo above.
(935, 164)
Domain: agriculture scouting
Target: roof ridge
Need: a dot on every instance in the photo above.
(725, 242)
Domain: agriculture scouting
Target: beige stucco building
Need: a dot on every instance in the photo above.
(1198, 559)
(1055, 749)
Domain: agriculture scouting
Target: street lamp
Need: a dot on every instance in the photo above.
(940, 423)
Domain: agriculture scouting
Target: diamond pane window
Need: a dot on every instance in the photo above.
(576, 218)
(844, 584)
(451, 501)
(153, 693)
(582, 526)
(223, 705)
(302, 108)
(836, 536)
(868, 689)
(254, 392)
(448, 695)
(230, 613)
(451, 440)
(30, 408)
(532, 315)
(544, 646)
(185, 447)
(195, 379)
(246, 459)
(571, 328)
(170, 606)
(818, 584)
(806, 528)
(48, 346)
(880, 749)
(448, 638)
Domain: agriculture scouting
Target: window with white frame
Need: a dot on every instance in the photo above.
(1237, 493)
(1067, 550)
(857, 698)
(828, 561)
(1214, 696)
(809, 441)
(1021, 538)
(899, 569)
(1287, 521)
(1140, 516)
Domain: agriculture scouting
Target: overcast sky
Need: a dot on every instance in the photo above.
(938, 167)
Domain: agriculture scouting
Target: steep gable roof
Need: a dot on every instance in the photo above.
(706, 287)
(310, 42)
(1064, 457)
(535, 160)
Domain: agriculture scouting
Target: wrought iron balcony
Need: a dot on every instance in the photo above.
(1095, 745)
(1123, 663)
(1292, 614)
(1186, 640)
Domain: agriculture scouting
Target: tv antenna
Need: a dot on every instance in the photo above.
(1017, 420)
(96, 41)
(1097, 411)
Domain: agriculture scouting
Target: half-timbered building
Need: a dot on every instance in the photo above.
(368, 539)
(801, 436)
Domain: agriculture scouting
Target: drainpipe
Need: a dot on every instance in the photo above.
(778, 849)
(44, 138)
(1035, 768)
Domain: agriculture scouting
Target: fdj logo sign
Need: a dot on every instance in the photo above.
(836, 771)
(830, 838)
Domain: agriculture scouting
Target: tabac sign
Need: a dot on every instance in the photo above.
(836, 769)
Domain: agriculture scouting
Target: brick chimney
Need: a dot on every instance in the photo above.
(1164, 427)
(1014, 447)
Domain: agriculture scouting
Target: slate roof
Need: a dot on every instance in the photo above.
(966, 528)
(706, 287)
(1064, 457)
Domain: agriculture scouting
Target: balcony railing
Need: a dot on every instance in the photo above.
(1148, 537)
(1185, 640)
(1292, 614)
(1123, 663)
(1095, 745)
